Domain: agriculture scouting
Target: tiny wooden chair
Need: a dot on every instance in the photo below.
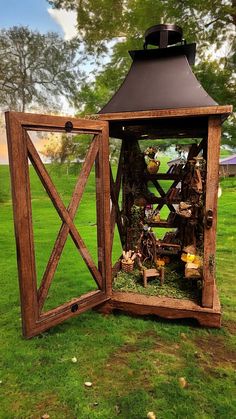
(148, 273)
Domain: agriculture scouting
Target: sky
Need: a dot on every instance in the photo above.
(37, 15)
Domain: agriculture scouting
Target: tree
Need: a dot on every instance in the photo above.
(101, 21)
(64, 149)
(35, 69)
(118, 26)
(58, 148)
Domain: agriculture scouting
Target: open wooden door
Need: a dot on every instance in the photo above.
(22, 152)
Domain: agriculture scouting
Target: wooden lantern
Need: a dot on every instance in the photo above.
(160, 98)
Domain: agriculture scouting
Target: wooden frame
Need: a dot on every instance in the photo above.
(209, 312)
(222, 111)
(104, 299)
(212, 182)
(20, 148)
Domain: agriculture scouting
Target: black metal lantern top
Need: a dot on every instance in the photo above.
(163, 35)
(160, 78)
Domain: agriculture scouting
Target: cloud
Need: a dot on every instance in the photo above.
(67, 20)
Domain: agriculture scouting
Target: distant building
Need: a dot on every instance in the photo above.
(228, 166)
(176, 162)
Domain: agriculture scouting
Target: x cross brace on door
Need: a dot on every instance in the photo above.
(20, 148)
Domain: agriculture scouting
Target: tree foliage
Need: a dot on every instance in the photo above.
(100, 21)
(59, 148)
(64, 149)
(114, 27)
(35, 69)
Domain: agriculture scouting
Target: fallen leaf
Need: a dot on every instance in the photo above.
(183, 336)
(117, 409)
(182, 382)
(151, 415)
(197, 355)
(45, 416)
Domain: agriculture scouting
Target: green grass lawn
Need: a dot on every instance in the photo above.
(134, 364)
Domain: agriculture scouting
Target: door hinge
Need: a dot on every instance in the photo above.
(209, 218)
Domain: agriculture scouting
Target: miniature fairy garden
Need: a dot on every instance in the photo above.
(175, 286)
(158, 264)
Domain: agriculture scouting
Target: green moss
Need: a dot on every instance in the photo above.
(175, 285)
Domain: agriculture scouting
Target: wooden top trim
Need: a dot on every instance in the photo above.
(167, 113)
(32, 121)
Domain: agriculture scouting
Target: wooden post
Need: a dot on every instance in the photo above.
(115, 187)
(106, 204)
(99, 210)
(212, 179)
(124, 179)
(22, 211)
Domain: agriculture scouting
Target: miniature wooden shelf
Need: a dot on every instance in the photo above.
(164, 201)
(162, 176)
(163, 224)
(167, 248)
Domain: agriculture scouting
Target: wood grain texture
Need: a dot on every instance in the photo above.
(55, 123)
(99, 212)
(20, 146)
(105, 171)
(62, 212)
(64, 230)
(22, 213)
(115, 210)
(162, 176)
(64, 312)
(167, 113)
(18, 141)
(212, 181)
(169, 308)
(115, 187)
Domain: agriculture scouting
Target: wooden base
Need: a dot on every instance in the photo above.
(168, 308)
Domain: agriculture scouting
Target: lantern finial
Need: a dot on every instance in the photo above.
(163, 35)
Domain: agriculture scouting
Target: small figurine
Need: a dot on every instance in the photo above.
(152, 215)
(188, 254)
(184, 210)
(151, 160)
(160, 262)
(156, 218)
(193, 262)
(148, 211)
